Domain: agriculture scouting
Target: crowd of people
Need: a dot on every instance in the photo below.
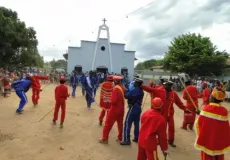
(157, 123)
(212, 117)
(161, 115)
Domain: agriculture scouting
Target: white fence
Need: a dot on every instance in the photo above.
(147, 74)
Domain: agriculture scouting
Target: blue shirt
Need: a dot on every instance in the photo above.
(74, 80)
(83, 81)
(131, 85)
(92, 83)
(134, 96)
(96, 79)
(23, 84)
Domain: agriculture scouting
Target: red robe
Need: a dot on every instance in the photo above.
(105, 98)
(205, 96)
(155, 92)
(168, 113)
(213, 130)
(193, 96)
(159, 86)
(105, 94)
(6, 83)
(36, 86)
(116, 113)
(190, 94)
(153, 125)
(168, 109)
(61, 94)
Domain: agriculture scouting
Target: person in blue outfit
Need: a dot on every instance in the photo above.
(74, 83)
(82, 81)
(21, 87)
(131, 84)
(89, 88)
(134, 98)
(125, 82)
(97, 82)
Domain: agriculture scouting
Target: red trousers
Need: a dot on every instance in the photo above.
(35, 95)
(102, 114)
(190, 125)
(205, 156)
(111, 118)
(171, 129)
(56, 110)
(144, 154)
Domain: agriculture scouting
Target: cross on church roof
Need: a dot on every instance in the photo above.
(104, 20)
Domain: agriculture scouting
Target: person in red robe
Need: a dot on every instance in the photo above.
(61, 95)
(116, 113)
(213, 128)
(190, 94)
(168, 110)
(153, 85)
(205, 95)
(161, 83)
(6, 85)
(153, 125)
(155, 92)
(105, 97)
(36, 87)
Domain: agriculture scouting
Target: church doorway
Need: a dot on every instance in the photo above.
(78, 68)
(102, 69)
(124, 71)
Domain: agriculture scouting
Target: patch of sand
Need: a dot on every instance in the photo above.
(22, 137)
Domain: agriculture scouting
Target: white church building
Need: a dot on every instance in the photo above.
(101, 55)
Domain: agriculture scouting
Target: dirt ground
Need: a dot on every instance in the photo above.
(22, 137)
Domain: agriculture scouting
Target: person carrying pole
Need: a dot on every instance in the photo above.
(36, 87)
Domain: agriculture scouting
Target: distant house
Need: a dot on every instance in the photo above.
(157, 69)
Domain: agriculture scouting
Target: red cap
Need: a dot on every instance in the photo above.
(117, 78)
(157, 103)
(62, 78)
(109, 78)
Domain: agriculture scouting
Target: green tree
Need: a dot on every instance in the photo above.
(61, 64)
(18, 44)
(148, 64)
(139, 66)
(194, 54)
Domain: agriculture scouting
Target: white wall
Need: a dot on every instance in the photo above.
(84, 56)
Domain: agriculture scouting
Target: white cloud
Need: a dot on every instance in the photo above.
(167, 19)
(148, 31)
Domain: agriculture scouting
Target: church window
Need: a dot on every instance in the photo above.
(103, 48)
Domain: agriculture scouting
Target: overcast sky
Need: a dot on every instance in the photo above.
(148, 31)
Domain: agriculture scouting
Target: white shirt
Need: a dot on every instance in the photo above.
(199, 83)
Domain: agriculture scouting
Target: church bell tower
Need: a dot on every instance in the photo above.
(105, 28)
